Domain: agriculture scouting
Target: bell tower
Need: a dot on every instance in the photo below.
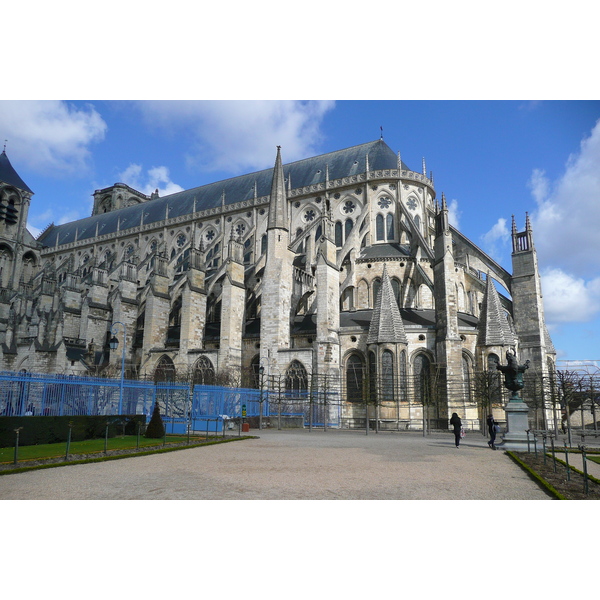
(528, 307)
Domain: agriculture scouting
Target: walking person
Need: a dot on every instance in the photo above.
(491, 423)
(457, 424)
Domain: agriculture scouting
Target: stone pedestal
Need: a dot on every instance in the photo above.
(518, 424)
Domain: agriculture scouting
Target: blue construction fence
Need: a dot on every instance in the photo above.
(201, 407)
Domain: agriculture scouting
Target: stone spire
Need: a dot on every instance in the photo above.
(278, 203)
(493, 329)
(386, 323)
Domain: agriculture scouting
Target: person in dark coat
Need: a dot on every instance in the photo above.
(491, 423)
(457, 424)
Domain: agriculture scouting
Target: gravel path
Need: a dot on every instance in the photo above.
(294, 465)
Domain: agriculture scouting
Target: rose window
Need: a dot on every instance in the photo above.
(384, 202)
(348, 207)
(309, 215)
(181, 240)
(240, 229)
(412, 203)
(210, 235)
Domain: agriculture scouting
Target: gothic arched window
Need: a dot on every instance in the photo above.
(466, 372)
(339, 242)
(422, 379)
(348, 227)
(402, 382)
(296, 379)
(387, 376)
(379, 229)
(165, 370)
(376, 288)
(203, 372)
(396, 289)
(389, 221)
(354, 378)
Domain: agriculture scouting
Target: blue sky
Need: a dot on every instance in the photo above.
(492, 159)
(502, 152)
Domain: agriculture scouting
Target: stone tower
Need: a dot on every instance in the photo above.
(15, 198)
(528, 307)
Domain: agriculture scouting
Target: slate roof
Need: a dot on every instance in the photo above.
(384, 251)
(411, 318)
(494, 329)
(386, 323)
(309, 171)
(9, 175)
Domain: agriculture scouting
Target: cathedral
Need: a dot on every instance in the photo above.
(340, 269)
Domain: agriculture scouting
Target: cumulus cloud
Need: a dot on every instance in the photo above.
(238, 135)
(497, 239)
(50, 136)
(156, 178)
(454, 214)
(568, 298)
(568, 211)
(565, 227)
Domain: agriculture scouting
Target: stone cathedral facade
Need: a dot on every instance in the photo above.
(341, 269)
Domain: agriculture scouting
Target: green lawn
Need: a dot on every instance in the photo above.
(7, 455)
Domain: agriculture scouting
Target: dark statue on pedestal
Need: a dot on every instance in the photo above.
(513, 375)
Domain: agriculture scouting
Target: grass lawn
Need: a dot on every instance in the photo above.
(7, 455)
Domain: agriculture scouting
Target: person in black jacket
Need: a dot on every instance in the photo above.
(491, 423)
(457, 423)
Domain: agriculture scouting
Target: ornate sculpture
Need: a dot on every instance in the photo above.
(513, 375)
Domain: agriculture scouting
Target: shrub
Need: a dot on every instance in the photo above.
(50, 430)
(156, 428)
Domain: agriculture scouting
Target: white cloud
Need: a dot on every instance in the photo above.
(50, 136)
(565, 229)
(568, 298)
(568, 211)
(454, 214)
(497, 239)
(237, 135)
(156, 178)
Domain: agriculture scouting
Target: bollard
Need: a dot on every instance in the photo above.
(69, 440)
(17, 445)
(585, 473)
(544, 446)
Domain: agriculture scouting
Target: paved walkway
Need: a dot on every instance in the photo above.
(294, 465)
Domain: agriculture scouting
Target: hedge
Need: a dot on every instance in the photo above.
(51, 430)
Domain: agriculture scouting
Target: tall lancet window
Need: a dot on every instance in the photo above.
(387, 376)
(422, 379)
(379, 228)
(389, 222)
(339, 241)
(354, 379)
